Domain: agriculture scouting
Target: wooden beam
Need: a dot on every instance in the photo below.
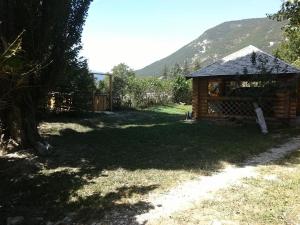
(110, 94)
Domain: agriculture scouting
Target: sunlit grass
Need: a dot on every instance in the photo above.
(172, 109)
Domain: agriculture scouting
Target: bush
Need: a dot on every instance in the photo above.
(182, 90)
(146, 92)
(130, 91)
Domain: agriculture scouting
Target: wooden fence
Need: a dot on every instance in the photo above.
(101, 102)
(66, 102)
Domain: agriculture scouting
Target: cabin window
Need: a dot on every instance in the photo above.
(214, 88)
(230, 86)
(258, 88)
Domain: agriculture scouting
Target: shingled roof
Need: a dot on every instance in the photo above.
(247, 61)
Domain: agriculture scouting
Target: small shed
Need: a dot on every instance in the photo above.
(230, 87)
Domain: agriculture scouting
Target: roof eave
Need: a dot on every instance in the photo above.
(239, 75)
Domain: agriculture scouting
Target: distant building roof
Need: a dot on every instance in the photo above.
(247, 61)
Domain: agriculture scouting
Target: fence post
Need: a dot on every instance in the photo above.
(110, 93)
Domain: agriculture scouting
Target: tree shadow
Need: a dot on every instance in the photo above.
(113, 119)
(27, 192)
(47, 187)
(113, 210)
(162, 142)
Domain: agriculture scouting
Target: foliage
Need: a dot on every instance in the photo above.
(182, 90)
(50, 45)
(15, 79)
(122, 75)
(101, 87)
(146, 92)
(138, 92)
(77, 78)
(78, 85)
(10, 65)
(289, 49)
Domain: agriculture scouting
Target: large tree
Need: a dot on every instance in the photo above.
(289, 49)
(50, 40)
(122, 74)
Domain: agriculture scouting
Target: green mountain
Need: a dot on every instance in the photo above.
(220, 41)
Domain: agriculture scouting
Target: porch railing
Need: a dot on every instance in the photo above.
(238, 106)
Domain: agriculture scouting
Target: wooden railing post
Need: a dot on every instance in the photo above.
(110, 93)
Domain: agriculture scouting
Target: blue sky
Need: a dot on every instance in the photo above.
(139, 32)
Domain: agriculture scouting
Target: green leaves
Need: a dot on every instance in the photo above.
(289, 49)
(181, 90)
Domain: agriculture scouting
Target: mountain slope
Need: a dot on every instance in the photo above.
(220, 41)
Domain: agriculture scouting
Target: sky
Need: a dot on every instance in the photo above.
(139, 32)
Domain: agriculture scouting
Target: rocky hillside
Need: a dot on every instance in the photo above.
(220, 41)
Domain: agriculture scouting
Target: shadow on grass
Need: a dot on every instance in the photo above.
(26, 192)
(152, 140)
(131, 141)
(114, 119)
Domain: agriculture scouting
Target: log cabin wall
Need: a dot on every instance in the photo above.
(287, 102)
(195, 98)
(293, 109)
(298, 98)
(199, 100)
(285, 106)
(203, 93)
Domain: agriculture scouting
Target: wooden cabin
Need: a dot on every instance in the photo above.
(229, 87)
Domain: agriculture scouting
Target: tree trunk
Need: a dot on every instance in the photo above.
(19, 125)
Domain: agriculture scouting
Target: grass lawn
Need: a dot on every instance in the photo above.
(111, 162)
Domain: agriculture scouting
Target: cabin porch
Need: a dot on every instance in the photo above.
(229, 97)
